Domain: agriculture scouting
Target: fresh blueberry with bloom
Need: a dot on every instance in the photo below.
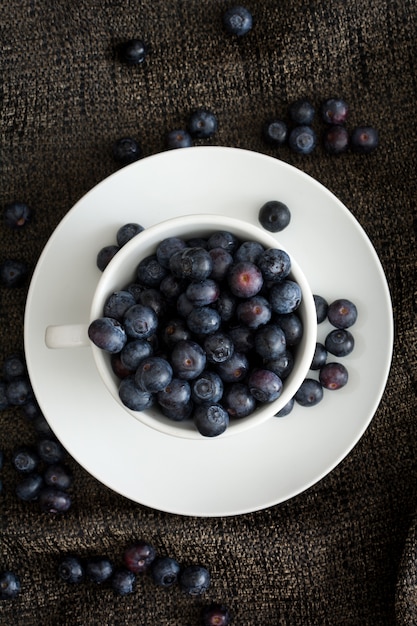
(117, 304)
(165, 571)
(150, 272)
(243, 338)
(29, 488)
(208, 387)
(270, 341)
(309, 393)
(58, 475)
(192, 263)
(285, 296)
(281, 365)
(275, 264)
(292, 326)
(134, 352)
(17, 214)
(211, 419)
(98, 569)
(364, 139)
(219, 347)
(245, 279)
(334, 111)
(202, 124)
(126, 232)
(342, 313)
(179, 138)
(105, 255)
(249, 251)
(203, 320)
(275, 132)
(302, 139)
(222, 260)
(254, 312)
(336, 139)
(264, 385)
(333, 376)
(188, 359)
(10, 585)
(153, 374)
(234, 369)
(339, 342)
(108, 334)
(133, 51)
(166, 249)
(274, 216)
(25, 459)
(53, 500)
(71, 569)
(175, 330)
(123, 581)
(237, 20)
(126, 150)
(194, 580)
(202, 292)
(132, 397)
(50, 450)
(223, 239)
(139, 556)
(140, 322)
(238, 400)
(176, 394)
(301, 112)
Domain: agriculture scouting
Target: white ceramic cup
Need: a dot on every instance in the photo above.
(120, 272)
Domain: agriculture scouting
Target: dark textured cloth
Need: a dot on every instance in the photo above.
(345, 551)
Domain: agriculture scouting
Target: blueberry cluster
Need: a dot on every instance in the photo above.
(339, 342)
(298, 133)
(43, 475)
(206, 330)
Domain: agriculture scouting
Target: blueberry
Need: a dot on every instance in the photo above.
(175, 330)
(13, 366)
(133, 51)
(249, 251)
(178, 412)
(71, 569)
(310, 393)
(286, 409)
(275, 264)
(275, 132)
(139, 556)
(208, 387)
(219, 347)
(13, 272)
(140, 322)
(98, 569)
(292, 326)
(270, 341)
(364, 139)
(150, 272)
(123, 581)
(234, 369)
(223, 239)
(118, 367)
(264, 385)
(19, 391)
(132, 397)
(59, 476)
(243, 338)
(184, 306)
(25, 459)
(301, 112)
(334, 111)
(53, 500)
(225, 305)
(126, 150)
(105, 255)
(108, 334)
(9, 585)
(202, 124)
(202, 292)
(29, 488)
(188, 359)
(215, 614)
(192, 263)
(245, 279)
(127, 232)
(203, 320)
(50, 451)
(274, 216)
(153, 297)
(237, 20)
(336, 139)
(166, 249)
(179, 138)
(342, 313)
(134, 352)
(175, 394)
(322, 306)
(238, 400)
(254, 312)
(17, 214)
(153, 374)
(333, 376)
(210, 419)
(302, 139)
(282, 365)
(165, 571)
(171, 288)
(339, 342)
(222, 260)
(319, 357)
(117, 304)
(285, 297)
(194, 580)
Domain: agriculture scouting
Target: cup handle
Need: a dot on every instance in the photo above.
(67, 336)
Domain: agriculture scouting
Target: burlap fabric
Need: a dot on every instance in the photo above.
(345, 551)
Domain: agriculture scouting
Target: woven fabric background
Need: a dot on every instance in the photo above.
(344, 552)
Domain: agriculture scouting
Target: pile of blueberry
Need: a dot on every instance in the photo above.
(140, 558)
(298, 133)
(207, 329)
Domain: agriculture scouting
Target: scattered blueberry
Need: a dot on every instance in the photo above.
(310, 393)
(286, 409)
(98, 569)
(237, 20)
(13, 272)
(71, 569)
(339, 342)
(275, 132)
(53, 500)
(333, 376)
(302, 139)
(215, 614)
(58, 475)
(13, 366)
(342, 313)
(165, 571)
(211, 419)
(29, 488)
(322, 306)
(50, 451)
(139, 556)
(25, 459)
(133, 51)
(17, 214)
(319, 357)
(123, 581)
(364, 139)
(9, 585)
(194, 580)
(105, 255)
(126, 150)
(202, 124)
(179, 138)
(19, 391)
(301, 112)
(274, 216)
(334, 111)
(336, 139)
(127, 232)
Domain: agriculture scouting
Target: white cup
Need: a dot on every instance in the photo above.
(120, 272)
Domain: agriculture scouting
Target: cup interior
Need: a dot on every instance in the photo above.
(120, 272)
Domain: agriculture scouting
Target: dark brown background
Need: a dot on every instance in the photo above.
(342, 553)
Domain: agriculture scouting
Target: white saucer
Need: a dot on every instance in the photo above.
(211, 477)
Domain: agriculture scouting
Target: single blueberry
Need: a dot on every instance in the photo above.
(165, 571)
(237, 20)
(203, 320)
(319, 357)
(301, 112)
(140, 322)
(270, 341)
(222, 259)
(188, 359)
(153, 374)
(150, 272)
(175, 330)
(71, 569)
(202, 292)
(133, 398)
(154, 298)
(17, 214)
(50, 451)
(215, 614)
(322, 306)
(29, 488)
(275, 132)
(53, 500)
(234, 369)
(58, 475)
(208, 387)
(245, 279)
(342, 313)
(127, 232)
(117, 304)
(238, 401)
(98, 569)
(133, 51)
(249, 251)
(176, 393)
(138, 556)
(192, 263)
(219, 347)
(134, 352)
(275, 264)
(274, 216)
(126, 150)
(242, 337)
(302, 139)
(202, 124)
(19, 391)
(334, 111)
(223, 239)
(282, 365)
(336, 139)
(123, 581)
(171, 288)
(292, 326)
(286, 409)
(178, 138)
(14, 365)
(339, 342)
(13, 272)
(194, 580)
(211, 419)
(285, 297)
(364, 139)
(264, 385)
(25, 459)
(9, 585)
(225, 305)
(107, 334)
(166, 249)
(105, 255)
(333, 376)
(254, 312)
(309, 393)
